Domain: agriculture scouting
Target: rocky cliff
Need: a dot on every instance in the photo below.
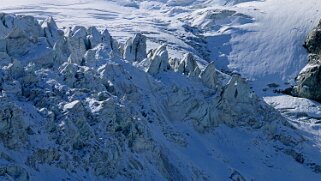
(309, 79)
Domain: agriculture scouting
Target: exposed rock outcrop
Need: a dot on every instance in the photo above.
(309, 79)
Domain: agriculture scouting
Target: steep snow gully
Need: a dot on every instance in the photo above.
(144, 100)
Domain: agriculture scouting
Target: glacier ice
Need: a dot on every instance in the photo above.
(76, 102)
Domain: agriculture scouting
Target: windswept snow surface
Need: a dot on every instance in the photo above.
(304, 114)
(271, 50)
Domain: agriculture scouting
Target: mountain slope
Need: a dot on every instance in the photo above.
(274, 43)
(259, 39)
(80, 104)
(76, 106)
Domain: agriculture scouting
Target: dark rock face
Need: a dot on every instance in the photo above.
(309, 79)
(313, 41)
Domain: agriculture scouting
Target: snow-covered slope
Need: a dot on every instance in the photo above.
(80, 104)
(273, 44)
(259, 39)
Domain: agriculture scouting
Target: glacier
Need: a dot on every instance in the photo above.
(142, 100)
